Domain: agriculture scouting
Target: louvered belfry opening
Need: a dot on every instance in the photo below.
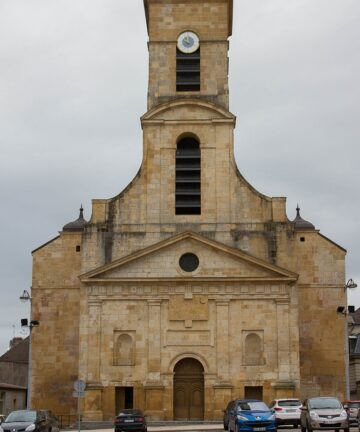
(188, 177)
(187, 71)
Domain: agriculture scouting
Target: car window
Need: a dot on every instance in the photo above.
(41, 416)
(130, 412)
(289, 402)
(253, 406)
(21, 416)
(353, 404)
(324, 403)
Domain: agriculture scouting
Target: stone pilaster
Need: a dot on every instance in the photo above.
(93, 403)
(283, 337)
(154, 340)
(222, 340)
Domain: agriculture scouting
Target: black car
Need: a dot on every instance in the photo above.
(226, 412)
(130, 420)
(27, 421)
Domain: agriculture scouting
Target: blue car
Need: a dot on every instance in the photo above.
(251, 415)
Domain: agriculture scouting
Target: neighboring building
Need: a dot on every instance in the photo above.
(354, 354)
(12, 398)
(14, 376)
(190, 287)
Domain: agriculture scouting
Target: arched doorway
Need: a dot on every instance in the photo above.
(188, 390)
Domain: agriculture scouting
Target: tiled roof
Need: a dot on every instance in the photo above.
(356, 316)
(11, 387)
(17, 354)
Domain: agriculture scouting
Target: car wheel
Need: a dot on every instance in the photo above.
(346, 430)
(295, 425)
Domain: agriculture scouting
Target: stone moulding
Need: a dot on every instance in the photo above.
(283, 385)
(276, 274)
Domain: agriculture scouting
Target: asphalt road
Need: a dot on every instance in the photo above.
(202, 428)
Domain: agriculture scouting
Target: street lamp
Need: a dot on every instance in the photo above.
(344, 310)
(26, 297)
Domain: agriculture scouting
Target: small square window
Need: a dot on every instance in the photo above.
(302, 239)
(78, 248)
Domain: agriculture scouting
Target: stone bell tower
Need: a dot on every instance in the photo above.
(201, 72)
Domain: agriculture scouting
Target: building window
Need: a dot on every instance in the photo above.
(187, 71)
(2, 402)
(188, 177)
(189, 262)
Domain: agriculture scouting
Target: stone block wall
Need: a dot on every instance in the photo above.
(55, 342)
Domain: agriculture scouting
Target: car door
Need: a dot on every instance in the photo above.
(232, 416)
(42, 422)
(303, 414)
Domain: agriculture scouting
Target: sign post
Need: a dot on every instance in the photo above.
(79, 392)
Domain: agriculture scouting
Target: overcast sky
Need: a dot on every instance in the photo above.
(73, 82)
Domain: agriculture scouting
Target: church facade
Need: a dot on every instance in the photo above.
(190, 288)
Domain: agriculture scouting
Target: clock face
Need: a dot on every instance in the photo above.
(188, 42)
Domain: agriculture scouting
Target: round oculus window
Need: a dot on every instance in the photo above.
(189, 262)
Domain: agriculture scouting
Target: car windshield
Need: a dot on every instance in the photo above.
(252, 406)
(129, 412)
(353, 404)
(289, 402)
(324, 403)
(21, 416)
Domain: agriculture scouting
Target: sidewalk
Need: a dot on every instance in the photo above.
(212, 427)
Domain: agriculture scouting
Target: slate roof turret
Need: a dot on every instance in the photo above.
(78, 224)
(300, 223)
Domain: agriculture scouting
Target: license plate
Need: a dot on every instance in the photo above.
(291, 410)
(129, 421)
(329, 421)
(259, 429)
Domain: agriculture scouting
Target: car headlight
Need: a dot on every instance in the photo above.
(241, 417)
(272, 417)
(313, 414)
(343, 413)
(30, 428)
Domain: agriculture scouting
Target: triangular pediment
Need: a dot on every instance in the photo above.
(216, 262)
(188, 110)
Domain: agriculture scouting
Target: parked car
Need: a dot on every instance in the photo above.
(287, 411)
(26, 420)
(251, 415)
(130, 420)
(226, 412)
(323, 413)
(52, 420)
(352, 408)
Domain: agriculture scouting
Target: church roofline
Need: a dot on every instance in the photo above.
(45, 244)
(332, 242)
(282, 273)
(231, 13)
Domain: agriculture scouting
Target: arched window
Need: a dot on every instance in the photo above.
(253, 350)
(188, 177)
(124, 352)
(187, 71)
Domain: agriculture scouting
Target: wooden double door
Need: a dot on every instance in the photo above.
(188, 390)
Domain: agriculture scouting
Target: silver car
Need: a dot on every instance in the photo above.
(323, 413)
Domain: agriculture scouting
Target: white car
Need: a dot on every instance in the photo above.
(287, 411)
